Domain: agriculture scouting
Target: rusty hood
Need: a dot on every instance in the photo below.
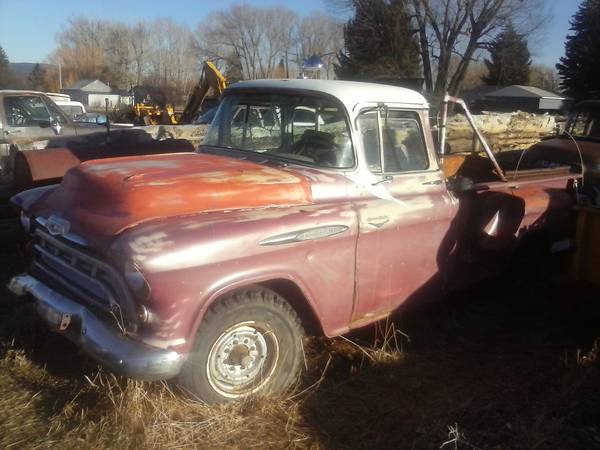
(101, 198)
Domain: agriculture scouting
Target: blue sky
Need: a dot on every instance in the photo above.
(28, 27)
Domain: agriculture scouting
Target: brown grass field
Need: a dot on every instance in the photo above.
(504, 365)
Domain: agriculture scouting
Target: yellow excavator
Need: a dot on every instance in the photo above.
(211, 77)
(150, 107)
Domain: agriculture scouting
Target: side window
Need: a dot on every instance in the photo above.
(369, 135)
(403, 146)
(398, 136)
(25, 111)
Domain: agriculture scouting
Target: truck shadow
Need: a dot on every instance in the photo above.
(503, 364)
(501, 360)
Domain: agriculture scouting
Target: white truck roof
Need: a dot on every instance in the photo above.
(349, 92)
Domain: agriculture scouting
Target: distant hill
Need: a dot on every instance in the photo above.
(23, 69)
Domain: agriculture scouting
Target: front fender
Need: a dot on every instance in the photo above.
(192, 262)
(24, 200)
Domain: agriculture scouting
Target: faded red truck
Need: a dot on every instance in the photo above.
(313, 206)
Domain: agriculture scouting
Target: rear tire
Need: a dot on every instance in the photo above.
(250, 342)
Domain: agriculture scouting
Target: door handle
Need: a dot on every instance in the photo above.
(433, 182)
(384, 179)
(12, 131)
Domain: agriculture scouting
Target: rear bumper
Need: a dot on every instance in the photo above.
(116, 351)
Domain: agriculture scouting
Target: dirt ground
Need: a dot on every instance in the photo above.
(505, 365)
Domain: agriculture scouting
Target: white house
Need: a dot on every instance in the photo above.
(94, 93)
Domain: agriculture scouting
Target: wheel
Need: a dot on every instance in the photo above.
(248, 343)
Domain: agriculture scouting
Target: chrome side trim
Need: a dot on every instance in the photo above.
(115, 350)
(307, 234)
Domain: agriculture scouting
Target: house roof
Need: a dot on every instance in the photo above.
(89, 85)
(524, 91)
(478, 92)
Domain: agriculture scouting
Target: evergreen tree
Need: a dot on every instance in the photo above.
(6, 75)
(379, 41)
(579, 69)
(509, 59)
(36, 78)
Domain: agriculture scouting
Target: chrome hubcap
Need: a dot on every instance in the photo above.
(242, 359)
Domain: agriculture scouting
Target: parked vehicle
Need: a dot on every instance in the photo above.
(58, 97)
(95, 118)
(75, 110)
(39, 142)
(150, 105)
(30, 119)
(211, 266)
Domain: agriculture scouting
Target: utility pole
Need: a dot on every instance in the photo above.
(60, 76)
(287, 67)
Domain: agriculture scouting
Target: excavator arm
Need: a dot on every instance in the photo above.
(210, 78)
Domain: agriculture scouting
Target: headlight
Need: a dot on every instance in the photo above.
(137, 283)
(143, 314)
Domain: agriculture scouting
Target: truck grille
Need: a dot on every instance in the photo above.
(82, 277)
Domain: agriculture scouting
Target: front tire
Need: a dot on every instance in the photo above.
(250, 342)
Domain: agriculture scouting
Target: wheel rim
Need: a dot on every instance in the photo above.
(242, 359)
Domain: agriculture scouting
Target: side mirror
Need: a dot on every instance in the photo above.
(56, 126)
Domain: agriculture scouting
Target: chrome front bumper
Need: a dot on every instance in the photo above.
(116, 351)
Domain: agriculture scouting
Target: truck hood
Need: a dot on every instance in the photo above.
(101, 198)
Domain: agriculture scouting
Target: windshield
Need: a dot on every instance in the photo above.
(304, 129)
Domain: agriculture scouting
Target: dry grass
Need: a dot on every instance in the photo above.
(489, 369)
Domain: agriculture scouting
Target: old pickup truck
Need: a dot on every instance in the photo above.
(29, 119)
(312, 207)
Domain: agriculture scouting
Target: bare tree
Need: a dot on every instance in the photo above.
(80, 47)
(544, 77)
(159, 54)
(322, 35)
(117, 53)
(173, 64)
(139, 41)
(252, 39)
(464, 28)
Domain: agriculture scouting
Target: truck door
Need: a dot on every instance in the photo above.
(406, 215)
